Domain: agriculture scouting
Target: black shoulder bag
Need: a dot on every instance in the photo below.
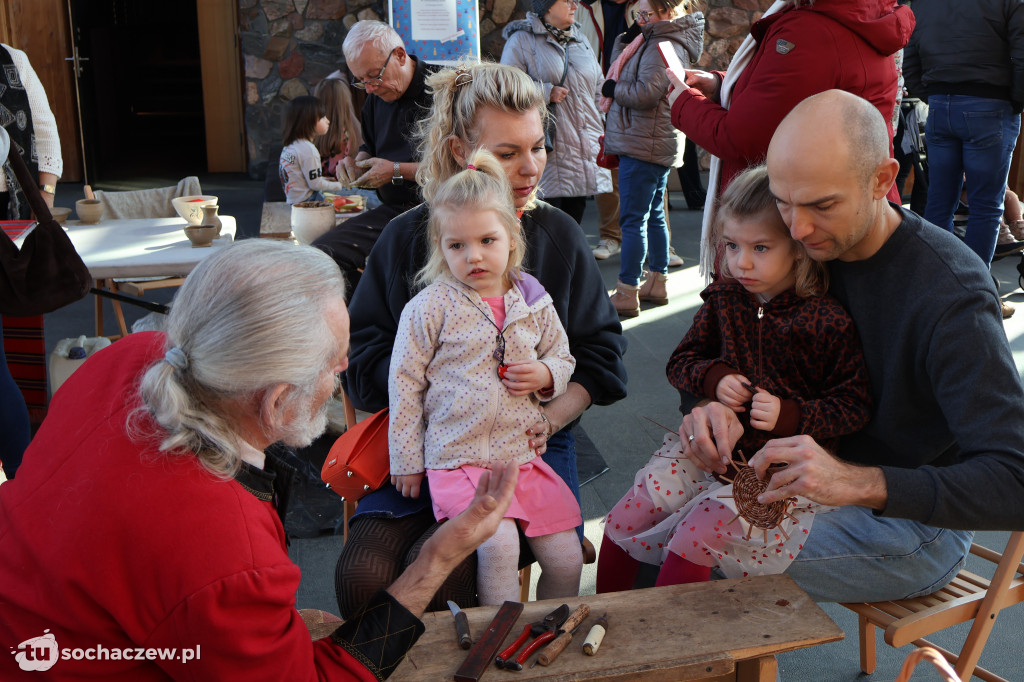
(46, 273)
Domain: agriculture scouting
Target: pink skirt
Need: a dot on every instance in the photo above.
(542, 502)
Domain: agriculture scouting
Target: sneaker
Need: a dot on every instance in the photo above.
(1008, 310)
(674, 259)
(1006, 245)
(606, 248)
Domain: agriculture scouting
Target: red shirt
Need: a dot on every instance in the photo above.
(108, 542)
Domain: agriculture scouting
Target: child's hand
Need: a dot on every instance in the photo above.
(523, 378)
(764, 411)
(733, 392)
(408, 485)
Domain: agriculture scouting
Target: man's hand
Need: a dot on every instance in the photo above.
(817, 475)
(347, 171)
(408, 484)
(715, 429)
(455, 539)
(733, 392)
(764, 410)
(523, 378)
(558, 93)
(378, 172)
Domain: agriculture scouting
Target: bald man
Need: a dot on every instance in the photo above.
(943, 454)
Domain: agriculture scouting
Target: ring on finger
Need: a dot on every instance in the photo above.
(690, 438)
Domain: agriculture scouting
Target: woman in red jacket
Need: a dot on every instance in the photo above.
(797, 49)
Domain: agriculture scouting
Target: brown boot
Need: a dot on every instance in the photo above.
(626, 300)
(654, 290)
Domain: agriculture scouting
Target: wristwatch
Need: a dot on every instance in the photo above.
(397, 177)
(49, 189)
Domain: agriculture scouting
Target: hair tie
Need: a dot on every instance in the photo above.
(176, 358)
(470, 166)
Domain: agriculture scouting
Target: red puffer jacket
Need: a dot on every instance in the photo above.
(842, 44)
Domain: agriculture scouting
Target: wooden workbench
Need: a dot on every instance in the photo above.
(720, 630)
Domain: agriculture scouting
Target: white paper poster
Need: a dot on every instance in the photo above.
(434, 19)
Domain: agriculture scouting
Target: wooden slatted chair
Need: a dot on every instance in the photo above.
(967, 597)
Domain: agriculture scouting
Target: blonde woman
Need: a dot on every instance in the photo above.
(498, 108)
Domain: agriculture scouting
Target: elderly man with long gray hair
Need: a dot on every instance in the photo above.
(143, 528)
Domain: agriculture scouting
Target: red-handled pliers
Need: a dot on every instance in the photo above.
(543, 630)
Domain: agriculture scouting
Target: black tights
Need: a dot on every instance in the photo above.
(378, 550)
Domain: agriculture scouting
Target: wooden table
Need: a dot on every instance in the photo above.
(719, 630)
(138, 248)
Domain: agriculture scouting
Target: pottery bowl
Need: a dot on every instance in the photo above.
(310, 219)
(89, 210)
(190, 207)
(201, 235)
(60, 214)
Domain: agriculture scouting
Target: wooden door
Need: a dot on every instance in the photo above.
(40, 29)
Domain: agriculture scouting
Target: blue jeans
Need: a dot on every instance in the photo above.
(14, 421)
(852, 555)
(972, 136)
(642, 218)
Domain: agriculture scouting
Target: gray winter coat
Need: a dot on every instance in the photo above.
(639, 123)
(572, 169)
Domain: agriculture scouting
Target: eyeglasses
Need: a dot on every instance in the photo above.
(573, 4)
(643, 16)
(379, 80)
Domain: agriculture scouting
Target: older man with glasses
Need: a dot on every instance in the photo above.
(398, 99)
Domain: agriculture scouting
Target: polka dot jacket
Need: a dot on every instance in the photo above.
(448, 405)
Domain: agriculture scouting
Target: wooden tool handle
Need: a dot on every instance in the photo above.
(593, 640)
(575, 618)
(548, 656)
(462, 630)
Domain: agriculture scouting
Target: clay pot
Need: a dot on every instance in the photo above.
(201, 235)
(89, 211)
(310, 219)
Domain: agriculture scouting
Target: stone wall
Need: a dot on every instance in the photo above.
(288, 46)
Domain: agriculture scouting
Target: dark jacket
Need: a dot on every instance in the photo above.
(967, 48)
(804, 351)
(556, 254)
(388, 128)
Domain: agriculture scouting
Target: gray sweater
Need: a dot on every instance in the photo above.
(948, 427)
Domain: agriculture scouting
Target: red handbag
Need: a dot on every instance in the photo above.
(358, 461)
(609, 161)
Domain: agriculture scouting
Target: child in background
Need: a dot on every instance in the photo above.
(476, 352)
(300, 169)
(344, 136)
(772, 346)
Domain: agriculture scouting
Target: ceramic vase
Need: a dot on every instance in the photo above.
(211, 219)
